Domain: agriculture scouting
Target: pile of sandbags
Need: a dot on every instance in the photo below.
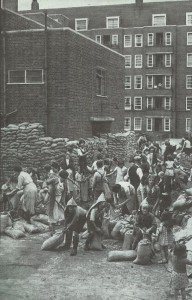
(5, 221)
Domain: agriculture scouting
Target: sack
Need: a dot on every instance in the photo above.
(189, 191)
(41, 218)
(126, 255)
(116, 234)
(19, 225)
(14, 233)
(53, 242)
(180, 202)
(105, 227)
(30, 228)
(42, 227)
(96, 243)
(128, 240)
(144, 252)
(5, 221)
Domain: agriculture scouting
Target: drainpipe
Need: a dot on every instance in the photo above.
(4, 79)
(45, 75)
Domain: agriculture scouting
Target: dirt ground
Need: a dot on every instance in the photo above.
(26, 272)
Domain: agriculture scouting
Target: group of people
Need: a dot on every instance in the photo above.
(143, 189)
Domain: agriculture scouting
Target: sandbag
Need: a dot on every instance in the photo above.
(180, 202)
(144, 252)
(19, 225)
(41, 218)
(126, 255)
(30, 228)
(42, 227)
(189, 191)
(14, 233)
(5, 221)
(96, 243)
(53, 242)
(128, 240)
(116, 234)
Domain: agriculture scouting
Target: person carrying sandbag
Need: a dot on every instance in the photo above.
(145, 223)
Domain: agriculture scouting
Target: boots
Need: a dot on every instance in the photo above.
(75, 245)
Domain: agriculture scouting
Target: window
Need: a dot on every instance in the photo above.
(189, 59)
(137, 123)
(188, 103)
(188, 81)
(149, 60)
(167, 60)
(138, 40)
(127, 41)
(150, 82)
(114, 39)
(128, 82)
(167, 124)
(81, 24)
(138, 61)
(101, 81)
(127, 124)
(128, 59)
(189, 18)
(167, 81)
(168, 38)
(189, 38)
(149, 102)
(98, 39)
(25, 76)
(159, 39)
(159, 20)
(138, 103)
(107, 40)
(149, 124)
(188, 124)
(112, 22)
(138, 82)
(167, 103)
(150, 39)
(127, 103)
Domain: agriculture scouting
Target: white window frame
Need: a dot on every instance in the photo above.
(136, 77)
(150, 58)
(136, 42)
(189, 43)
(150, 39)
(150, 105)
(188, 124)
(98, 39)
(129, 43)
(138, 106)
(138, 61)
(140, 127)
(165, 124)
(159, 15)
(168, 38)
(149, 125)
(151, 86)
(189, 14)
(127, 107)
(167, 86)
(188, 87)
(113, 37)
(25, 76)
(129, 59)
(129, 86)
(110, 18)
(81, 19)
(188, 103)
(168, 60)
(167, 103)
(189, 63)
(125, 126)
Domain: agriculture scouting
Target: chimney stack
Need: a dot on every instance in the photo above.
(34, 5)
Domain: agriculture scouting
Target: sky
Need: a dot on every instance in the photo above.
(43, 4)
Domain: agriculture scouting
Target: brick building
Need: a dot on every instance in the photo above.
(156, 41)
(59, 77)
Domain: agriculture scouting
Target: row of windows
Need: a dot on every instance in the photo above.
(153, 124)
(158, 81)
(153, 103)
(26, 76)
(114, 21)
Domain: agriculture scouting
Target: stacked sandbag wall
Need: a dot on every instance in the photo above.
(26, 144)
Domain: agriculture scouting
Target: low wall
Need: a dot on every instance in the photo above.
(26, 144)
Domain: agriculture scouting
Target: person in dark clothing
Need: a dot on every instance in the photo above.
(145, 224)
(135, 175)
(68, 162)
(164, 192)
(169, 150)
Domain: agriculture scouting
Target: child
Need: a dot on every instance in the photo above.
(165, 236)
(179, 279)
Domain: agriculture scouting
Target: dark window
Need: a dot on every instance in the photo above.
(106, 40)
(16, 77)
(158, 124)
(159, 38)
(159, 60)
(25, 76)
(34, 76)
(101, 82)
